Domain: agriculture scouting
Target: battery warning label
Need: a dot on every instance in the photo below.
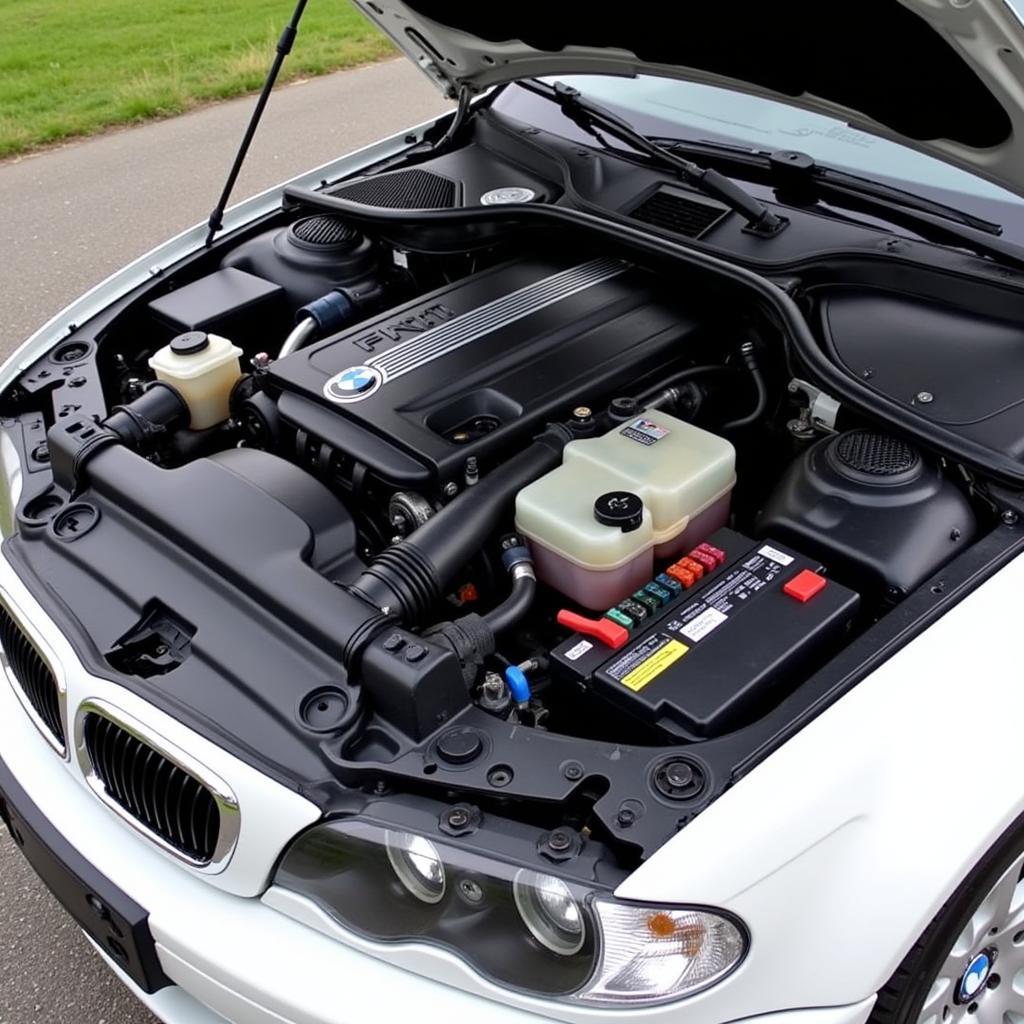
(646, 661)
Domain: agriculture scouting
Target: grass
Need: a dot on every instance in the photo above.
(74, 67)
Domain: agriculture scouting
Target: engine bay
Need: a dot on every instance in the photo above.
(535, 521)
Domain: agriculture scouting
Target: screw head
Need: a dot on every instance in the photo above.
(573, 771)
(457, 817)
(559, 840)
(1009, 517)
(582, 412)
(450, 489)
(924, 397)
(626, 817)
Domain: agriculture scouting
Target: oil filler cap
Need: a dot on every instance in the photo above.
(623, 509)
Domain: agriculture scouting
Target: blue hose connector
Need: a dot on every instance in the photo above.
(518, 684)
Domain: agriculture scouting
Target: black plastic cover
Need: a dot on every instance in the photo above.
(721, 653)
(227, 302)
(452, 376)
(872, 507)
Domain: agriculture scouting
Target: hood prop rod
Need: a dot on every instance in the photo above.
(284, 47)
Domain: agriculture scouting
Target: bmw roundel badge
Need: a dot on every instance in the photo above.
(353, 384)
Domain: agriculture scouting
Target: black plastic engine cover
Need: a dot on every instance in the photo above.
(470, 367)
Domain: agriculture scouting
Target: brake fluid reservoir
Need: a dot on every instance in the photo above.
(202, 368)
(652, 487)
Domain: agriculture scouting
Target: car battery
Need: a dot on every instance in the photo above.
(712, 641)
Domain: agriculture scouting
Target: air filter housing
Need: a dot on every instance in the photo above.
(880, 516)
(310, 258)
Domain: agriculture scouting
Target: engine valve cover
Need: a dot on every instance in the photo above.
(473, 366)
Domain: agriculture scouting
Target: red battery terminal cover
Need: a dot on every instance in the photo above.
(804, 585)
(611, 634)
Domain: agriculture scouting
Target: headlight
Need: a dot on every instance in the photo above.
(550, 911)
(526, 924)
(417, 864)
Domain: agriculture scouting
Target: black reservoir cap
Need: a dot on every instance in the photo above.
(623, 509)
(190, 343)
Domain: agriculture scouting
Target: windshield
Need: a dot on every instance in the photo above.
(687, 110)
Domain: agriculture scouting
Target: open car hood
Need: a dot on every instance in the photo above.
(945, 77)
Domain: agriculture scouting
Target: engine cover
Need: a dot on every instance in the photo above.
(478, 364)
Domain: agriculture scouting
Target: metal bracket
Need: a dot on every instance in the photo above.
(820, 414)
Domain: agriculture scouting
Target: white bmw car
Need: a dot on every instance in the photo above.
(559, 562)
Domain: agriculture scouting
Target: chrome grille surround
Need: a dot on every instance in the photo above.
(51, 664)
(223, 797)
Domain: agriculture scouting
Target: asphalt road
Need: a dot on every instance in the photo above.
(68, 218)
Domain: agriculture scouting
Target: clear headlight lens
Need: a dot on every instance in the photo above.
(417, 864)
(537, 931)
(653, 954)
(550, 911)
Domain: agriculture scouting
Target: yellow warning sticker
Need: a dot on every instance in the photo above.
(653, 666)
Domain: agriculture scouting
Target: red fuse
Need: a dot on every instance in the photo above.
(716, 553)
(707, 560)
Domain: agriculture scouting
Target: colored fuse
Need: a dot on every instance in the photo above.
(716, 553)
(649, 601)
(619, 617)
(682, 574)
(709, 562)
(661, 594)
(634, 609)
(693, 565)
(674, 587)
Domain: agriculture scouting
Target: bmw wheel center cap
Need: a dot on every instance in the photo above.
(353, 384)
(975, 977)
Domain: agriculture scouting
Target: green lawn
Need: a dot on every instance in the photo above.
(70, 67)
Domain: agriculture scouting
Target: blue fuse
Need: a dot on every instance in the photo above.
(671, 585)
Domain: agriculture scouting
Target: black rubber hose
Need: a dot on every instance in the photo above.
(666, 386)
(410, 578)
(747, 353)
(514, 607)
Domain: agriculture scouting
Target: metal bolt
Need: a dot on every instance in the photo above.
(1009, 517)
(626, 817)
(924, 397)
(493, 686)
(41, 453)
(560, 840)
(582, 412)
(573, 771)
(457, 818)
(868, 373)
(955, 533)
(472, 471)
(450, 489)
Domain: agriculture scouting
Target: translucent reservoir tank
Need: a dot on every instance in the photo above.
(650, 488)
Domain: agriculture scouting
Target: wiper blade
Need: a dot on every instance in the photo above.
(595, 119)
(803, 173)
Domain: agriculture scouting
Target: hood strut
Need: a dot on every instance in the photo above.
(284, 47)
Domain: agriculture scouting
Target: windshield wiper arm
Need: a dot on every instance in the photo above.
(595, 119)
(804, 174)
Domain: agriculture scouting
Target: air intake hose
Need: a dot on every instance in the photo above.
(409, 579)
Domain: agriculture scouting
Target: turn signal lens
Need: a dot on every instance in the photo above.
(651, 955)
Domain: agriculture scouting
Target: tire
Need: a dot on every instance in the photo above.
(983, 917)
